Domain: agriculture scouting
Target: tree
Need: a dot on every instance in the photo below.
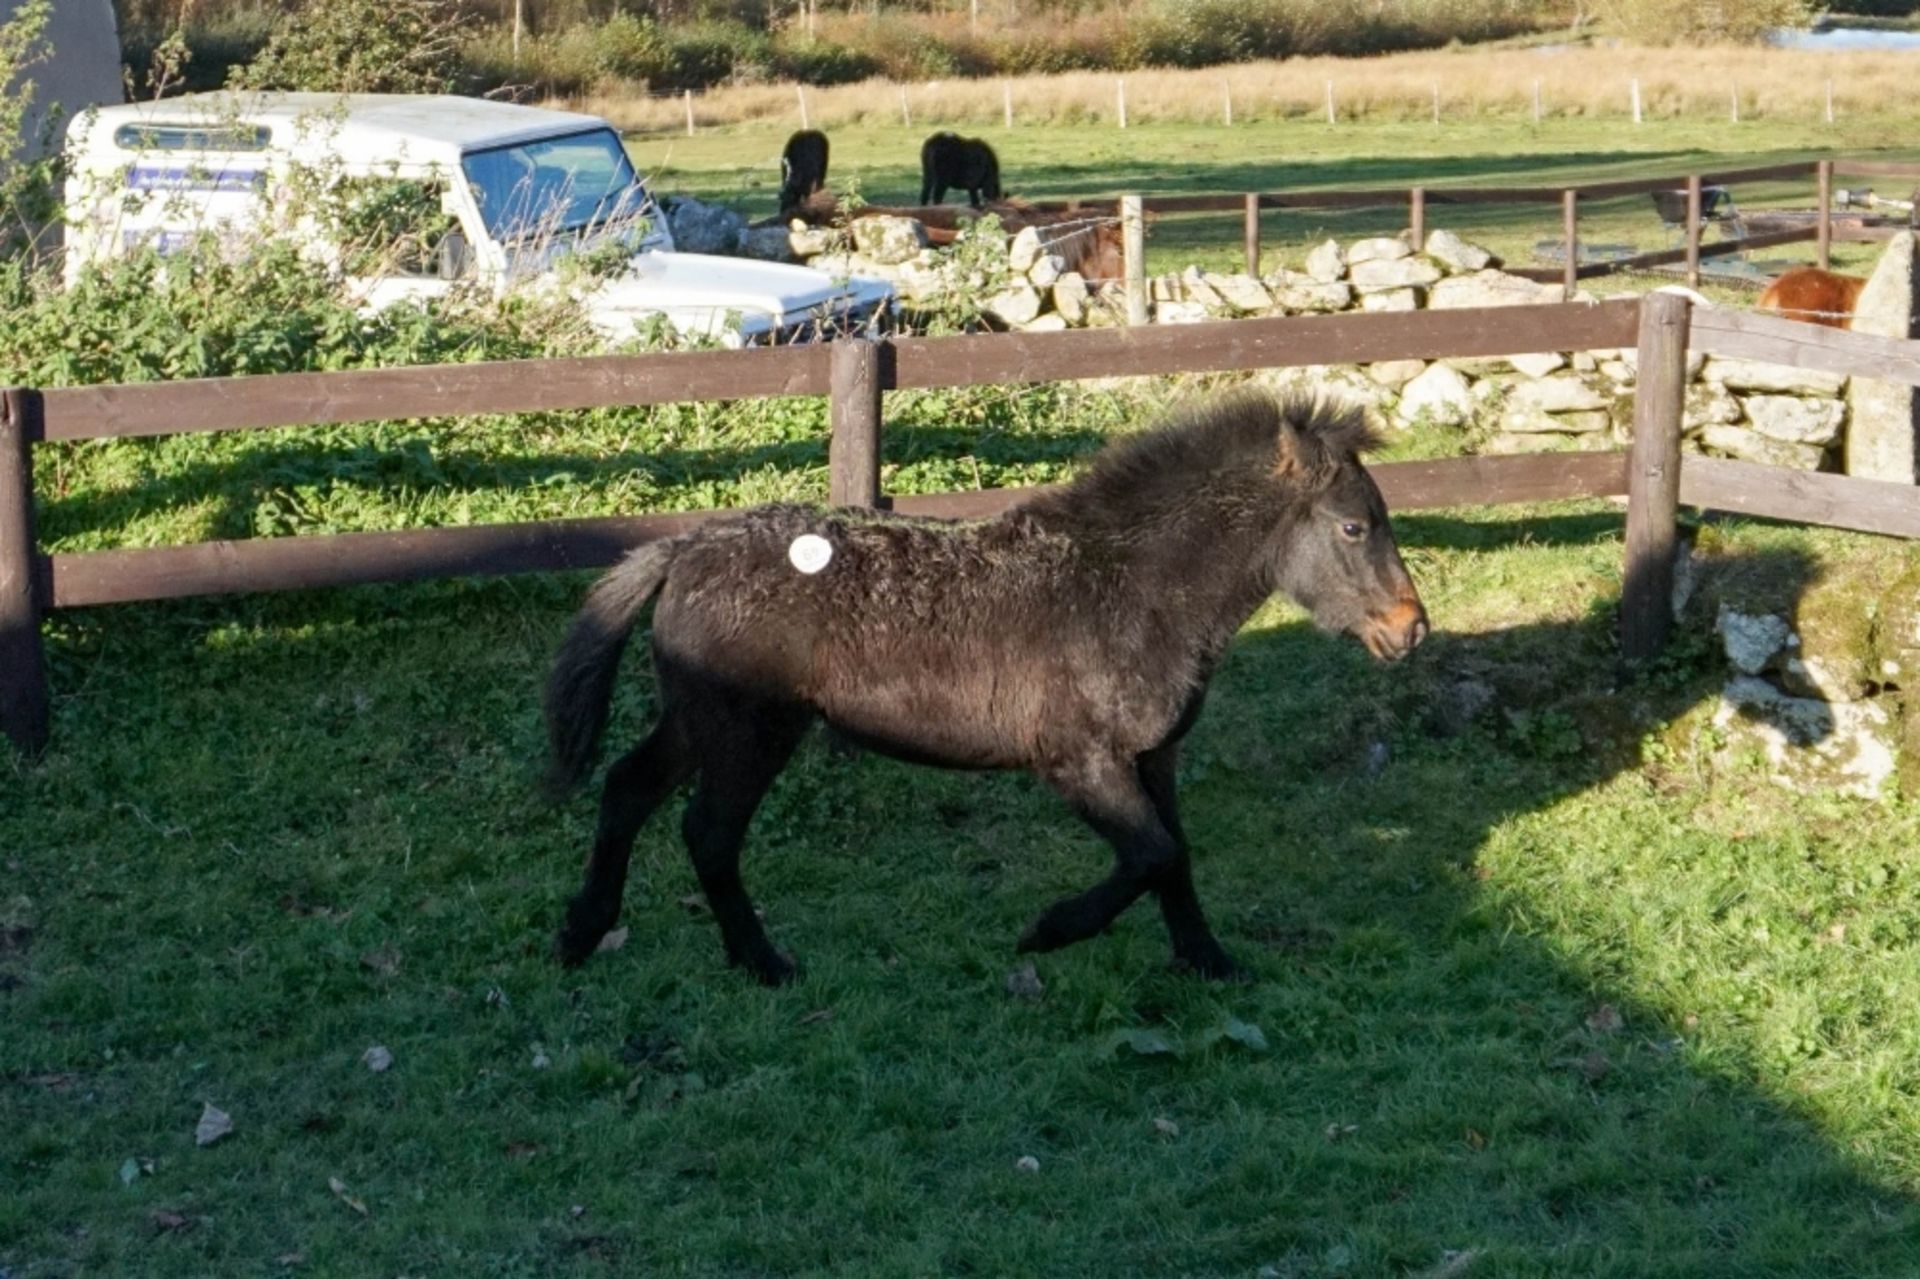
(1703, 21)
(359, 46)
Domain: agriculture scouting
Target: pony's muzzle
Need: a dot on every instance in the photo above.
(1391, 635)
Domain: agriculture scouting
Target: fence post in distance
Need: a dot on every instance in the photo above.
(1824, 173)
(1417, 218)
(853, 451)
(24, 701)
(1133, 242)
(1251, 234)
(1693, 231)
(1570, 220)
(1653, 476)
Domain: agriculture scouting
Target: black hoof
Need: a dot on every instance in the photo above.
(570, 950)
(1213, 964)
(771, 968)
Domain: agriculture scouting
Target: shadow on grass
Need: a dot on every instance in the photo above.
(1441, 1074)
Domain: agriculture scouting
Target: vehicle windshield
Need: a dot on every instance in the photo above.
(554, 185)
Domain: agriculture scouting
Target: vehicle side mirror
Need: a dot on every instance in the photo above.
(455, 256)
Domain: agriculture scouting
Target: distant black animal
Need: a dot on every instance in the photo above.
(949, 160)
(1073, 636)
(803, 168)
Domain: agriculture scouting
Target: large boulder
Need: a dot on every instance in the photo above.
(1796, 420)
(1014, 306)
(1461, 255)
(1327, 262)
(1391, 300)
(1770, 379)
(1440, 395)
(699, 227)
(1293, 291)
(888, 239)
(1489, 288)
(1811, 745)
(1751, 446)
(1560, 393)
(1241, 293)
(1380, 274)
(1883, 437)
(1382, 248)
(1070, 296)
(767, 243)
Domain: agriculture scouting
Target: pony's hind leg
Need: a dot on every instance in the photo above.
(740, 752)
(635, 786)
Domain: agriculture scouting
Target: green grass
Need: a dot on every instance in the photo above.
(275, 831)
(741, 166)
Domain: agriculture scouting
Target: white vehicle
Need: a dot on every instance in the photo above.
(499, 194)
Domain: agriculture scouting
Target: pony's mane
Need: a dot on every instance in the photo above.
(1239, 429)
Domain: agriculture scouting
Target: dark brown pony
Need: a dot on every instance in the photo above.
(803, 168)
(949, 160)
(1815, 296)
(1073, 637)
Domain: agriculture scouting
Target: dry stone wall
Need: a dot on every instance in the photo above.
(1543, 402)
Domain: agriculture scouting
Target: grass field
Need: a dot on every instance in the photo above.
(740, 166)
(1544, 986)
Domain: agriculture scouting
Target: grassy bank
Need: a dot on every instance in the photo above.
(740, 166)
(1538, 984)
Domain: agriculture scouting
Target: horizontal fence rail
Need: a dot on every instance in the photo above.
(856, 375)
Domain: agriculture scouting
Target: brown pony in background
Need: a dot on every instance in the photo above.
(1814, 296)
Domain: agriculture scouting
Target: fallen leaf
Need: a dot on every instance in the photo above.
(290, 1259)
(613, 940)
(818, 1017)
(214, 1124)
(1605, 1020)
(339, 1189)
(129, 1171)
(694, 903)
(377, 1059)
(1166, 1128)
(1025, 983)
(540, 1059)
(1452, 1264)
(384, 960)
(1476, 1140)
(1246, 1034)
(1143, 1042)
(1340, 1132)
(522, 1149)
(577, 1211)
(1026, 1163)
(165, 1221)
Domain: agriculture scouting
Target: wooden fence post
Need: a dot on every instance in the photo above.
(1250, 233)
(1570, 223)
(1693, 231)
(24, 700)
(1133, 246)
(1653, 476)
(1417, 218)
(853, 451)
(1824, 174)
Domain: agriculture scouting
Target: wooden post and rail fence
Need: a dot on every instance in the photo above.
(1420, 202)
(856, 374)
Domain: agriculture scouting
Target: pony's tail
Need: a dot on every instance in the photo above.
(581, 685)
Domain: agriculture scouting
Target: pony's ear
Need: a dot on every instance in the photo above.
(1299, 456)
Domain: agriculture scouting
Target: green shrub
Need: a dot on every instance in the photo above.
(359, 46)
(28, 186)
(822, 62)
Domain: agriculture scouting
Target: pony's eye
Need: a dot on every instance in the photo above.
(1352, 529)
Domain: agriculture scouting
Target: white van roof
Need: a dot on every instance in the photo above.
(426, 128)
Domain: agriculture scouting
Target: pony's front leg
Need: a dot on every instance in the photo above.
(1131, 807)
(1193, 941)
